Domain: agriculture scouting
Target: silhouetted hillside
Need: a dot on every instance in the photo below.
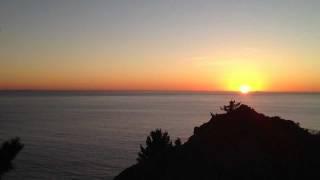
(239, 144)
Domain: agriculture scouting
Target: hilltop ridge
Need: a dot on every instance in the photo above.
(238, 144)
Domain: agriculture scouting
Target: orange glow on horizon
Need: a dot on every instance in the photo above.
(196, 75)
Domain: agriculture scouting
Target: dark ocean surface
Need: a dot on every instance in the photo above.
(95, 135)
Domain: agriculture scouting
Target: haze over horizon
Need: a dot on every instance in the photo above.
(160, 45)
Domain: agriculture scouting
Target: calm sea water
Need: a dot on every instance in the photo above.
(96, 135)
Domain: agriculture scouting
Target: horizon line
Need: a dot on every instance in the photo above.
(154, 91)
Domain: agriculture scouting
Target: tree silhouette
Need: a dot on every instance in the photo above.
(177, 142)
(231, 107)
(239, 144)
(8, 152)
(157, 143)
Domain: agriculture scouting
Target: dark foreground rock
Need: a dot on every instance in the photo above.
(240, 144)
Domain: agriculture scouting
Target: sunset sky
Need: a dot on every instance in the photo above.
(271, 45)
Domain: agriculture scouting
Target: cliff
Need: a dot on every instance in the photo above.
(238, 144)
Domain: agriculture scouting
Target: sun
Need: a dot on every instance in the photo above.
(245, 89)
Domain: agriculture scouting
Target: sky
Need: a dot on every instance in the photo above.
(196, 45)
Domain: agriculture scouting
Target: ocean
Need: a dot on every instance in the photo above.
(95, 135)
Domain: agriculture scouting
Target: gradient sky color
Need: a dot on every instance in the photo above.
(269, 45)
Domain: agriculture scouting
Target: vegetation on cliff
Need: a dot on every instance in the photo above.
(238, 144)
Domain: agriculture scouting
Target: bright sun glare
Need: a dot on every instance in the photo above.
(244, 89)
